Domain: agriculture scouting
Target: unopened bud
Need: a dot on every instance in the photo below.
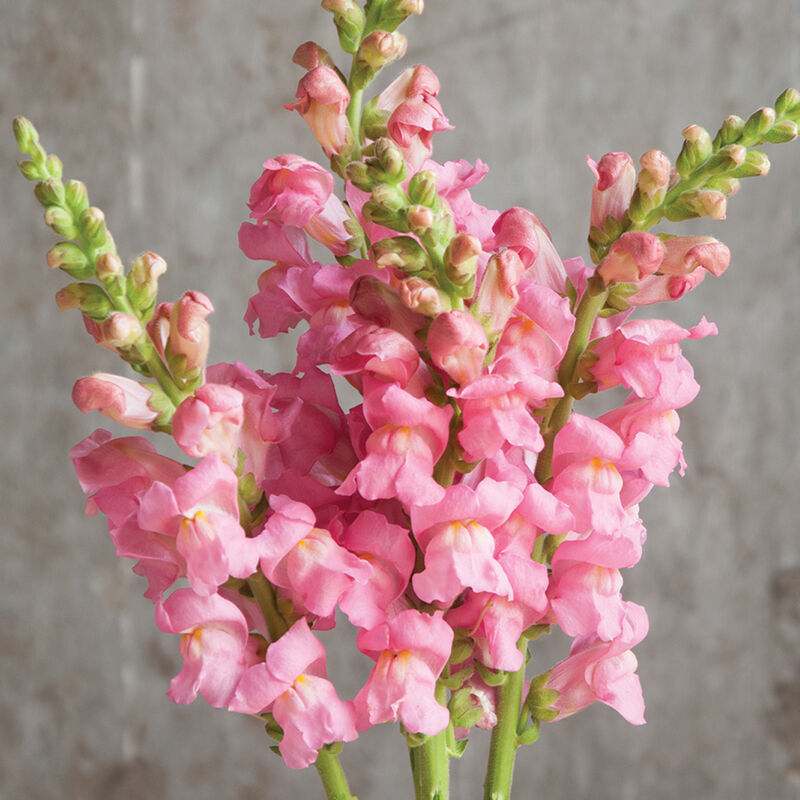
(696, 149)
(70, 258)
(60, 220)
(422, 189)
(390, 160)
(395, 11)
(357, 173)
(420, 218)
(374, 120)
(730, 131)
(54, 166)
(758, 124)
(109, 265)
(731, 156)
(725, 184)
(50, 192)
(402, 252)
(788, 103)
(121, 330)
(25, 133)
(377, 49)
(698, 203)
(465, 708)
(310, 55)
(755, 164)
(349, 21)
(461, 258)
(88, 298)
(386, 207)
(93, 223)
(781, 132)
(76, 196)
(29, 170)
(422, 297)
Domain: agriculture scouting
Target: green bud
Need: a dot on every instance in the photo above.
(758, 124)
(461, 258)
(697, 147)
(465, 709)
(376, 50)
(462, 648)
(698, 203)
(402, 252)
(781, 132)
(88, 298)
(730, 131)
(396, 11)
(70, 258)
(788, 103)
(374, 120)
(29, 170)
(756, 163)
(386, 207)
(542, 698)
(109, 266)
(349, 21)
(390, 160)
(93, 225)
(50, 192)
(25, 134)
(54, 166)
(724, 184)
(358, 174)
(76, 195)
(60, 220)
(422, 189)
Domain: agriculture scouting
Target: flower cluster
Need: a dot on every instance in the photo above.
(462, 508)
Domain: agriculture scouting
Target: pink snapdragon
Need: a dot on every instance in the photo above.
(613, 189)
(323, 100)
(292, 684)
(410, 651)
(121, 399)
(458, 345)
(215, 646)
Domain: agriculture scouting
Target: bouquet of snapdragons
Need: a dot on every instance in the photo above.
(462, 509)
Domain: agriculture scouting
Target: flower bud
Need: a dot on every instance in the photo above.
(784, 131)
(88, 298)
(788, 103)
(121, 399)
(93, 223)
(359, 175)
(109, 266)
(386, 207)
(310, 55)
(389, 160)
(29, 170)
(465, 709)
(189, 335)
(50, 192)
(60, 220)
(698, 203)
(120, 330)
(422, 189)
(654, 176)
(420, 218)
(697, 147)
(142, 281)
(76, 196)
(402, 252)
(349, 21)
(377, 49)
(458, 345)
(25, 133)
(757, 125)
(422, 297)
(70, 258)
(395, 11)
(612, 191)
(497, 295)
(54, 166)
(632, 257)
(730, 131)
(461, 258)
(756, 163)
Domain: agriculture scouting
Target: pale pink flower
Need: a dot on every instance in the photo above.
(604, 671)
(181, 334)
(497, 293)
(613, 189)
(409, 435)
(215, 646)
(323, 100)
(410, 650)
(209, 422)
(120, 399)
(305, 560)
(292, 684)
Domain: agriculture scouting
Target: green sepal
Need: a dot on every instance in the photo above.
(76, 196)
(54, 167)
(374, 120)
(529, 734)
(550, 546)
(464, 713)
(544, 714)
(542, 698)
(414, 739)
(456, 679)
(456, 748)
(756, 163)
(162, 405)
(491, 677)
(534, 632)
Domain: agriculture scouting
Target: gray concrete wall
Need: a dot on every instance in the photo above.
(166, 109)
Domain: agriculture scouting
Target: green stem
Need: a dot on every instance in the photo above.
(591, 303)
(265, 597)
(332, 776)
(503, 746)
(433, 767)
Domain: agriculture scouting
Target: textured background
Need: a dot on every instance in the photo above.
(166, 109)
